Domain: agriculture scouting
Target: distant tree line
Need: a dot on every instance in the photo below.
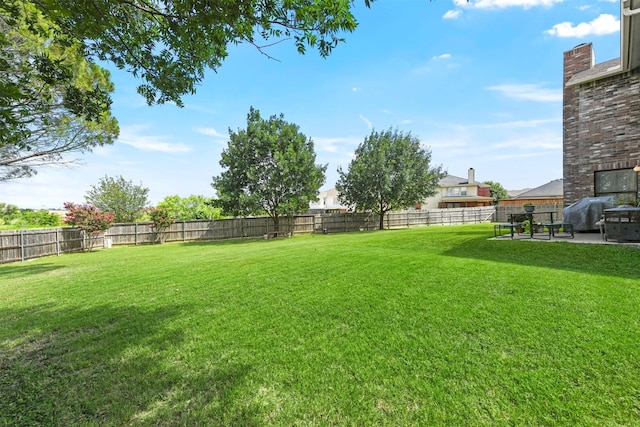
(11, 216)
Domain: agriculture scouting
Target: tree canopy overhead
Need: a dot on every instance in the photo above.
(390, 170)
(269, 168)
(169, 44)
(52, 100)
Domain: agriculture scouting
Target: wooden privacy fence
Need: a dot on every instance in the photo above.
(21, 245)
(503, 211)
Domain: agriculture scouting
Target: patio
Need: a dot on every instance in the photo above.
(579, 237)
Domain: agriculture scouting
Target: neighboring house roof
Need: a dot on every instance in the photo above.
(629, 48)
(452, 181)
(515, 193)
(548, 190)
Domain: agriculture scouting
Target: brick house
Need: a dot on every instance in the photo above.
(601, 116)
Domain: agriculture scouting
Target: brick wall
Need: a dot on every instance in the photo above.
(601, 124)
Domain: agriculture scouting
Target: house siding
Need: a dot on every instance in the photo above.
(601, 124)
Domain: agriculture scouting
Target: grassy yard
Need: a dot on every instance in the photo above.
(423, 326)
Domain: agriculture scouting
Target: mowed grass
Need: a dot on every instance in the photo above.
(423, 326)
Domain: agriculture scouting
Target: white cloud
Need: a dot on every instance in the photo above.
(334, 145)
(452, 14)
(130, 135)
(603, 24)
(387, 111)
(502, 4)
(542, 141)
(426, 68)
(367, 121)
(406, 122)
(521, 123)
(211, 132)
(531, 92)
(355, 89)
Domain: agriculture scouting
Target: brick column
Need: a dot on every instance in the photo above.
(579, 59)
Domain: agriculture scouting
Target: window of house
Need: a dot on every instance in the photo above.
(456, 191)
(622, 183)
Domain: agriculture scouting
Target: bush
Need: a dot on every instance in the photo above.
(161, 222)
(91, 220)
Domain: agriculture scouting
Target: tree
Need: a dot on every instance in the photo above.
(270, 167)
(169, 44)
(124, 200)
(8, 213)
(496, 191)
(52, 100)
(11, 215)
(89, 219)
(390, 171)
(190, 208)
(161, 220)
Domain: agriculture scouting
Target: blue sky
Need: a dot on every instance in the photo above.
(480, 83)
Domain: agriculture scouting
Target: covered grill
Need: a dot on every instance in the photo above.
(584, 213)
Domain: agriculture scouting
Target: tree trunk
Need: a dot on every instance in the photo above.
(381, 221)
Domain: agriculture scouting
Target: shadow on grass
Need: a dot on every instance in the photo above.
(25, 269)
(606, 260)
(109, 365)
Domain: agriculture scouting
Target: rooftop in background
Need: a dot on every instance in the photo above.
(550, 189)
(514, 193)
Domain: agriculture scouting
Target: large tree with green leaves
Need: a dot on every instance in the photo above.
(270, 167)
(390, 170)
(497, 191)
(121, 198)
(52, 100)
(190, 208)
(169, 44)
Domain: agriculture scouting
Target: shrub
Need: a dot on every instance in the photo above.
(161, 220)
(91, 220)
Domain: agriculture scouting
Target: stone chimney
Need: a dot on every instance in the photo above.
(472, 175)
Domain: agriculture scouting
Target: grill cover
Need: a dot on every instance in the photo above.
(584, 213)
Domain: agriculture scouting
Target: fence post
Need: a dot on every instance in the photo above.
(184, 233)
(21, 246)
(58, 241)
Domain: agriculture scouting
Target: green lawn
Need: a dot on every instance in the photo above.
(424, 326)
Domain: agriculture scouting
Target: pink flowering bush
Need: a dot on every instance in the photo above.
(161, 220)
(91, 220)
